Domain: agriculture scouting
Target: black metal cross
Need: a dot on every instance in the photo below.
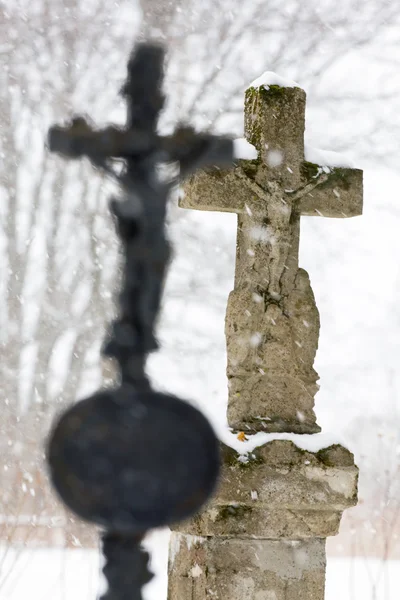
(130, 459)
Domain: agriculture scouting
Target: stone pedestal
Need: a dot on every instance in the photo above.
(212, 568)
(262, 537)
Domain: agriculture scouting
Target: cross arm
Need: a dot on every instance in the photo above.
(215, 190)
(337, 192)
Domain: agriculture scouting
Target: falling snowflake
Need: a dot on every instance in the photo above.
(274, 158)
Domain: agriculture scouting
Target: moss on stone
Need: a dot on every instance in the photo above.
(253, 460)
(309, 170)
(273, 91)
(230, 511)
(250, 93)
(231, 458)
(253, 128)
(336, 175)
(269, 91)
(250, 167)
(339, 176)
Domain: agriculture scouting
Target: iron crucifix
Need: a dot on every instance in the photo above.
(130, 459)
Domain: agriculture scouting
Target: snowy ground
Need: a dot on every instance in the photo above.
(74, 575)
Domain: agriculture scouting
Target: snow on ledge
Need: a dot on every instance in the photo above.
(270, 78)
(309, 442)
(327, 158)
(242, 149)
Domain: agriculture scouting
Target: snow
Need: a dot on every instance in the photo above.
(270, 78)
(274, 158)
(75, 575)
(359, 343)
(244, 150)
(255, 339)
(262, 234)
(196, 571)
(49, 574)
(309, 442)
(327, 158)
(175, 543)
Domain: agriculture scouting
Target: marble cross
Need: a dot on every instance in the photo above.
(272, 322)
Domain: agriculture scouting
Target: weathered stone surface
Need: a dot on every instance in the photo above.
(340, 196)
(278, 491)
(215, 189)
(337, 193)
(272, 322)
(274, 124)
(213, 569)
(271, 348)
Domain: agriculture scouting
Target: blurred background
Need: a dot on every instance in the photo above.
(59, 257)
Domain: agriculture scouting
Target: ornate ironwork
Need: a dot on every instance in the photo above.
(129, 458)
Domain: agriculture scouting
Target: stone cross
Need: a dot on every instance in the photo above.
(262, 536)
(272, 322)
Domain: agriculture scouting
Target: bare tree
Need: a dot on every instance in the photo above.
(58, 256)
(158, 18)
(218, 49)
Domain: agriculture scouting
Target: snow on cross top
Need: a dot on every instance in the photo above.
(327, 158)
(308, 442)
(270, 78)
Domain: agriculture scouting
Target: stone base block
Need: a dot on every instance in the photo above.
(279, 491)
(245, 569)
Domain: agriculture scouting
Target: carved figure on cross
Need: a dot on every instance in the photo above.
(272, 322)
